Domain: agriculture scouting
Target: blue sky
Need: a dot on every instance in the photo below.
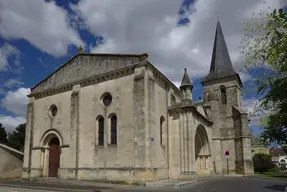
(38, 37)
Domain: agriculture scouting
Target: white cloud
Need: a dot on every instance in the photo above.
(10, 123)
(7, 51)
(43, 24)
(16, 101)
(13, 83)
(130, 26)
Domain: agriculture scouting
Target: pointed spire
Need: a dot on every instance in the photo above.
(221, 65)
(186, 80)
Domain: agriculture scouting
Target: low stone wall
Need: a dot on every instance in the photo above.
(11, 162)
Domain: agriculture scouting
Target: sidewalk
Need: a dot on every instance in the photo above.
(79, 183)
(179, 183)
(169, 183)
(145, 185)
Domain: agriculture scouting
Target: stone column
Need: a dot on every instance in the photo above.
(191, 144)
(28, 140)
(181, 139)
(152, 129)
(139, 105)
(185, 142)
(244, 164)
(74, 129)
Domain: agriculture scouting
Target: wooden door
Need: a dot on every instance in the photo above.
(54, 158)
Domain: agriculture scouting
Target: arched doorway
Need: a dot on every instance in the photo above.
(202, 150)
(54, 157)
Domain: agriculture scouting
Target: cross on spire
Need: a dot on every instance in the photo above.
(80, 49)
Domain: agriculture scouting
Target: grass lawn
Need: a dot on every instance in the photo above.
(275, 175)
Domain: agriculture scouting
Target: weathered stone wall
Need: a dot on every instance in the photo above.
(73, 135)
(244, 164)
(43, 124)
(43, 121)
(139, 118)
(228, 130)
(91, 107)
(174, 145)
(138, 100)
(10, 164)
(229, 145)
(94, 65)
(183, 127)
(217, 156)
(158, 105)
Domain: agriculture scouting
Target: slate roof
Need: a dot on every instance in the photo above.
(185, 80)
(221, 65)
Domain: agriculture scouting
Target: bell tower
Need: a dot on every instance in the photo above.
(222, 88)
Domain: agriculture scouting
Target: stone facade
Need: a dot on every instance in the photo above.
(116, 117)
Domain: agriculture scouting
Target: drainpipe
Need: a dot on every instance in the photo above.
(167, 131)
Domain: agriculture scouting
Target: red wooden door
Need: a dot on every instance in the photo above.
(54, 158)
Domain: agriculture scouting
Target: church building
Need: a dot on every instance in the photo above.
(116, 117)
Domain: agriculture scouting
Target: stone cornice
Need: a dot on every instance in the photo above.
(221, 79)
(104, 77)
(143, 57)
(227, 87)
(43, 148)
(88, 81)
(231, 138)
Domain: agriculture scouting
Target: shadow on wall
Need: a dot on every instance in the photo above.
(11, 162)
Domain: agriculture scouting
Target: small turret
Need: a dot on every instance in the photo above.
(186, 86)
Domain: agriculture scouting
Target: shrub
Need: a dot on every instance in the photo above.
(262, 162)
(274, 169)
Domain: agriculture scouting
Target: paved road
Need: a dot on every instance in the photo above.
(237, 184)
(20, 186)
(225, 184)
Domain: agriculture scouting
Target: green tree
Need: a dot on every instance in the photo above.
(284, 148)
(3, 134)
(262, 162)
(16, 139)
(266, 45)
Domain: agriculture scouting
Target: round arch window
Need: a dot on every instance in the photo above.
(107, 99)
(53, 110)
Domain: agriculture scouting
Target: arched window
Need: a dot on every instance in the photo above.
(223, 96)
(161, 130)
(114, 129)
(101, 130)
